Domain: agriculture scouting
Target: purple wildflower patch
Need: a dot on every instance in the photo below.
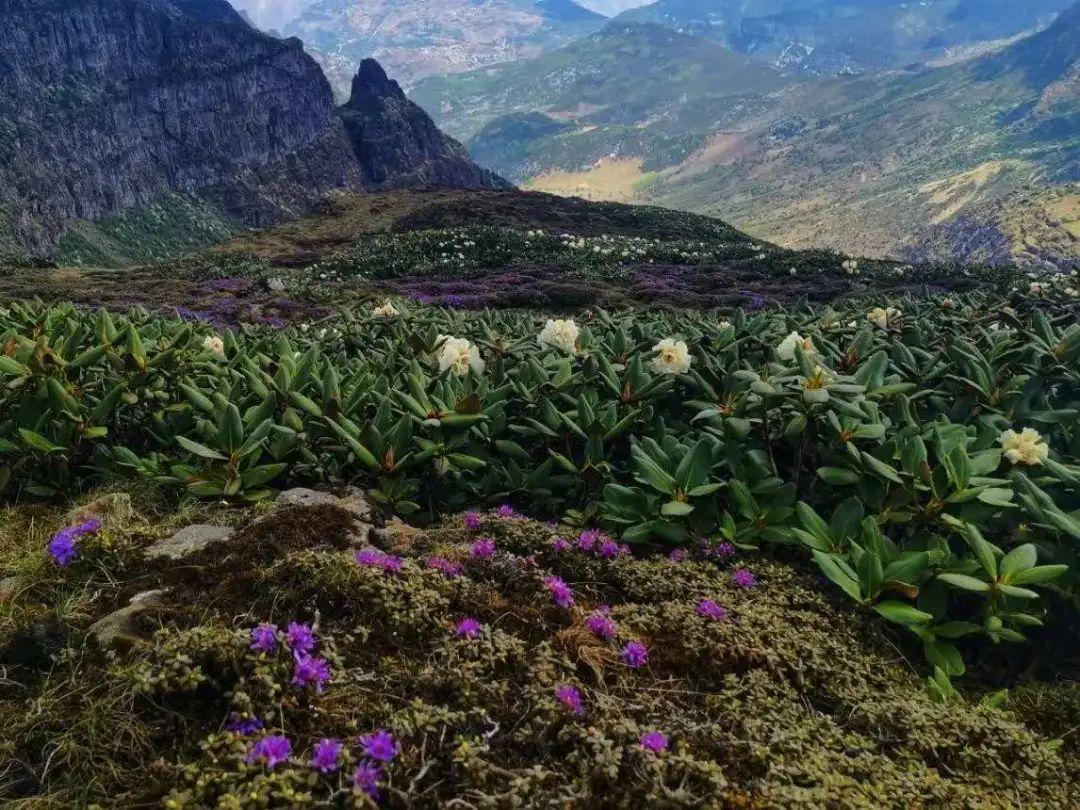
(300, 638)
(560, 592)
(447, 567)
(264, 638)
(635, 655)
(482, 549)
(743, 578)
(601, 625)
(654, 741)
(570, 697)
(467, 628)
(473, 521)
(379, 746)
(711, 610)
(271, 750)
(244, 726)
(325, 757)
(310, 670)
(366, 778)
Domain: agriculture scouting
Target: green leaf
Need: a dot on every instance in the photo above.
(1021, 558)
(838, 476)
(676, 509)
(964, 582)
(902, 613)
(1039, 574)
(837, 575)
(201, 450)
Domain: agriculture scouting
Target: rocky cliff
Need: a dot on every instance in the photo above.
(109, 104)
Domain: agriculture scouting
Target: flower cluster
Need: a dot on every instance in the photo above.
(62, 545)
(1026, 447)
(376, 558)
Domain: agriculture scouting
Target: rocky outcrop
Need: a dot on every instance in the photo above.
(109, 104)
(397, 143)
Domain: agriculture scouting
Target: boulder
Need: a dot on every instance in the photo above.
(112, 509)
(120, 628)
(188, 540)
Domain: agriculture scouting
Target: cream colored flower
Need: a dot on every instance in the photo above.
(786, 349)
(883, 318)
(387, 310)
(458, 356)
(1036, 288)
(214, 345)
(673, 357)
(561, 335)
(851, 267)
(1026, 447)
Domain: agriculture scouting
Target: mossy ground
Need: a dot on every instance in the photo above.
(794, 699)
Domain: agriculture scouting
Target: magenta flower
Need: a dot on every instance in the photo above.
(609, 549)
(743, 578)
(62, 545)
(507, 511)
(560, 591)
(310, 670)
(724, 550)
(467, 628)
(324, 758)
(366, 778)
(677, 556)
(587, 540)
(473, 520)
(570, 697)
(374, 558)
(379, 746)
(264, 638)
(300, 638)
(448, 567)
(601, 625)
(559, 545)
(483, 548)
(654, 741)
(244, 726)
(271, 750)
(635, 655)
(711, 610)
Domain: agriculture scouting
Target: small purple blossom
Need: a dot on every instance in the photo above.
(310, 670)
(724, 550)
(264, 638)
(62, 544)
(588, 539)
(379, 746)
(483, 548)
(655, 742)
(366, 778)
(325, 756)
(609, 549)
(743, 578)
(272, 750)
(244, 726)
(559, 545)
(560, 591)
(448, 567)
(570, 697)
(677, 556)
(711, 610)
(507, 511)
(635, 655)
(300, 638)
(374, 558)
(601, 625)
(467, 628)
(472, 521)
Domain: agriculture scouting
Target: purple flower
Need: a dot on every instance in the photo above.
(264, 638)
(91, 526)
(310, 670)
(245, 727)
(601, 625)
(570, 697)
(391, 563)
(635, 655)
(724, 550)
(272, 750)
(587, 540)
(654, 741)
(62, 548)
(560, 591)
(324, 758)
(374, 558)
(447, 567)
(467, 628)
(677, 556)
(559, 545)
(609, 549)
(379, 746)
(743, 578)
(366, 778)
(472, 521)
(483, 548)
(507, 511)
(710, 609)
(300, 638)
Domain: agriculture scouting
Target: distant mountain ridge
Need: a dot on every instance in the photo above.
(115, 104)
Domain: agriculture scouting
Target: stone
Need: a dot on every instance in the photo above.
(8, 588)
(354, 500)
(188, 540)
(112, 509)
(120, 628)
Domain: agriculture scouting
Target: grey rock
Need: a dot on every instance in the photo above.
(188, 540)
(353, 501)
(275, 285)
(112, 509)
(120, 628)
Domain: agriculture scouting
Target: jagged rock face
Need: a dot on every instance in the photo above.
(108, 103)
(397, 143)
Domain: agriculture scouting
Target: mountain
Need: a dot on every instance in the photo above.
(417, 38)
(878, 164)
(271, 14)
(830, 37)
(177, 116)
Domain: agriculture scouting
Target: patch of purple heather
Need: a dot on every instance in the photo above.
(326, 755)
(482, 549)
(635, 655)
(473, 520)
(560, 591)
(743, 578)
(677, 556)
(507, 511)
(570, 697)
(379, 746)
(724, 550)
(609, 549)
(588, 539)
(244, 726)
(366, 778)
(374, 558)
(710, 609)
(62, 545)
(310, 670)
(559, 545)
(300, 638)
(654, 741)
(447, 567)
(271, 750)
(467, 628)
(601, 625)
(264, 638)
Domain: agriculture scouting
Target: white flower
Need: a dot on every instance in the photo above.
(786, 349)
(214, 345)
(883, 318)
(793, 272)
(1035, 288)
(561, 335)
(387, 310)
(459, 355)
(851, 267)
(673, 357)
(1026, 447)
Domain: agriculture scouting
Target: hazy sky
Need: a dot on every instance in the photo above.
(275, 13)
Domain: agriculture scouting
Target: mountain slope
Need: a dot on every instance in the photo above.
(417, 38)
(114, 105)
(828, 37)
